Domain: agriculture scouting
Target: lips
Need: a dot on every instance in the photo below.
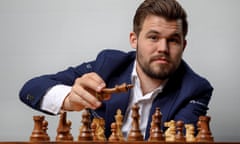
(160, 59)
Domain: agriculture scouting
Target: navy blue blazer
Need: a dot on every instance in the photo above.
(185, 96)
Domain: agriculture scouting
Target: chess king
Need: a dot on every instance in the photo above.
(156, 69)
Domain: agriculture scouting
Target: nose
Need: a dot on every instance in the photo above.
(163, 46)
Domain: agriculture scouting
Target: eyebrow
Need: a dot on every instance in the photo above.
(158, 33)
(153, 31)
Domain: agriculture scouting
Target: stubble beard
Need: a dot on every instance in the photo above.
(160, 72)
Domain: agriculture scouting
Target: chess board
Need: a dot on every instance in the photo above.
(126, 142)
(92, 131)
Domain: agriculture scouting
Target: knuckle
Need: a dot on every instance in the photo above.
(74, 90)
(78, 80)
(88, 75)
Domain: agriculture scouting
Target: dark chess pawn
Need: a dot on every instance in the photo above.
(38, 133)
(113, 137)
(135, 132)
(179, 137)
(85, 130)
(45, 128)
(64, 127)
(204, 133)
(156, 133)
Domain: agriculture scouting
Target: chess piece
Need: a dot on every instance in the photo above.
(106, 92)
(119, 123)
(171, 131)
(45, 128)
(93, 128)
(156, 133)
(113, 137)
(85, 130)
(204, 133)
(135, 133)
(190, 130)
(38, 133)
(63, 130)
(100, 128)
(179, 137)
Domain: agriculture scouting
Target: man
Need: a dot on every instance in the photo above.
(160, 76)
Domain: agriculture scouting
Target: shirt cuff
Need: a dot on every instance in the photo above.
(53, 99)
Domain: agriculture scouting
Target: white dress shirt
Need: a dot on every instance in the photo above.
(144, 102)
(53, 100)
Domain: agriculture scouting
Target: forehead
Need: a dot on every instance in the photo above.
(161, 25)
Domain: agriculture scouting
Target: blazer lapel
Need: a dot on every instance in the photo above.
(118, 100)
(165, 101)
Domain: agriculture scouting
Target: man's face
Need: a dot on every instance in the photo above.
(160, 45)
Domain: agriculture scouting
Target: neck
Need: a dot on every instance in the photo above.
(148, 84)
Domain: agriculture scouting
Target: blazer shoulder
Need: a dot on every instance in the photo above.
(113, 61)
(195, 79)
(115, 54)
(113, 58)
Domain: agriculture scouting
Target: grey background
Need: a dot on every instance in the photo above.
(45, 36)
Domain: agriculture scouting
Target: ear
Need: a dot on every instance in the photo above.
(184, 44)
(133, 40)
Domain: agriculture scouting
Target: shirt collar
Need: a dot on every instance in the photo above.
(135, 78)
(134, 75)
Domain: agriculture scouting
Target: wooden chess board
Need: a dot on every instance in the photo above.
(126, 142)
(88, 133)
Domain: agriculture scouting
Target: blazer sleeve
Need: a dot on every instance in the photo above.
(33, 90)
(106, 63)
(196, 104)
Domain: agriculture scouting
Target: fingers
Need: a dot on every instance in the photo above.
(83, 93)
(74, 102)
(70, 105)
(91, 81)
(86, 98)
